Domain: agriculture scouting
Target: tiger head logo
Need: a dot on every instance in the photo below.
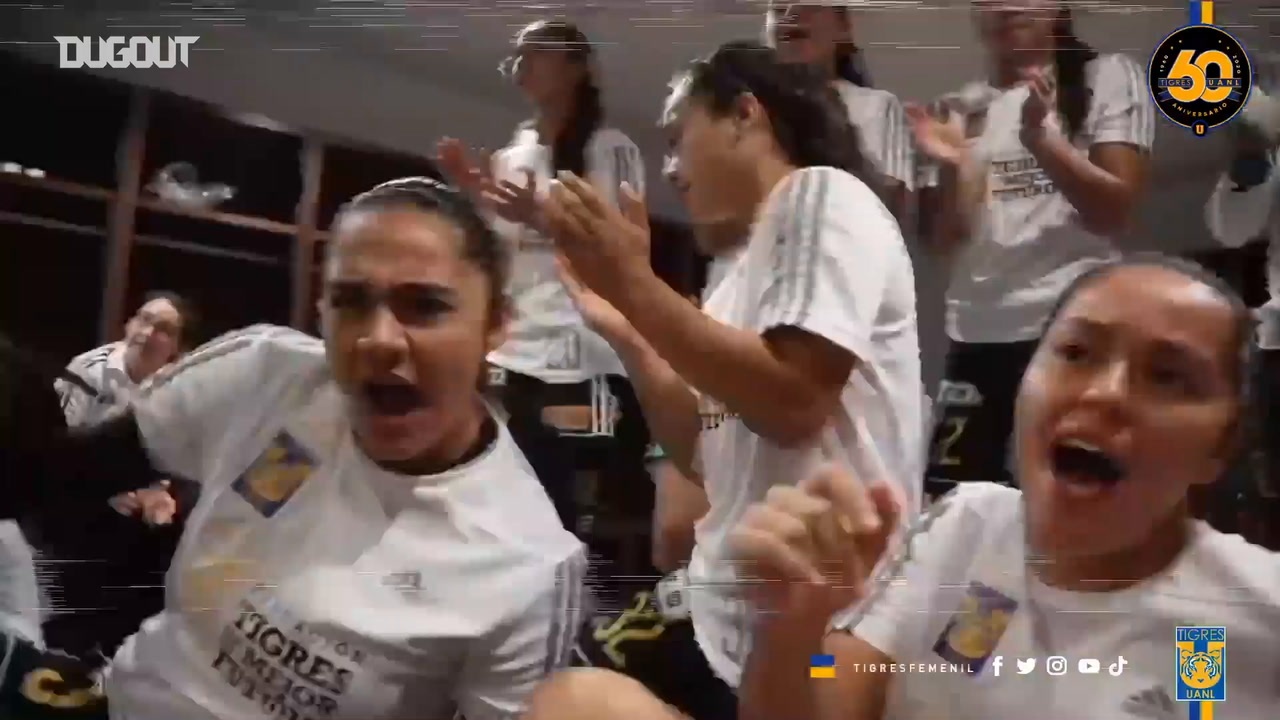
(1200, 669)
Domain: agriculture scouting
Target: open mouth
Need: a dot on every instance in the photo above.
(393, 397)
(1085, 466)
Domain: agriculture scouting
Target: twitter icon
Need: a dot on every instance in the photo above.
(1026, 665)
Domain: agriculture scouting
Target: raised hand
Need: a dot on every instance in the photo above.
(812, 548)
(599, 314)
(155, 504)
(603, 244)
(1042, 98)
(941, 140)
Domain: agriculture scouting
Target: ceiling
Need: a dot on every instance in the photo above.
(400, 74)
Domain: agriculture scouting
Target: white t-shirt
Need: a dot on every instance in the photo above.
(103, 369)
(960, 597)
(310, 583)
(1028, 244)
(882, 128)
(825, 256)
(547, 337)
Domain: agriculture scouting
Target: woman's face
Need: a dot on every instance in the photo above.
(807, 34)
(1015, 26)
(153, 336)
(707, 161)
(1131, 399)
(546, 74)
(407, 323)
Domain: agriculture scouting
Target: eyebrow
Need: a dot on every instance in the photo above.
(1192, 352)
(422, 287)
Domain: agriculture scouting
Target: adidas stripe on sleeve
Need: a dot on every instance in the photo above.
(539, 642)
(186, 411)
(1121, 110)
(615, 160)
(836, 247)
(896, 151)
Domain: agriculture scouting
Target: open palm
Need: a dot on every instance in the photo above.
(599, 314)
(943, 141)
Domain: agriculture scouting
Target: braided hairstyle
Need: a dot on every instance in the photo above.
(480, 245)
(809, 122)
(1071, 57)
(568, 150)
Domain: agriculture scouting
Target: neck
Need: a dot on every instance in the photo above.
(769, 172)
(1123, 568)
(133, 368)
(473, 435)
(1009, 69)
(551, 123)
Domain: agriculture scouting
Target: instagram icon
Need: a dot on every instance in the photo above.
(1056, 665)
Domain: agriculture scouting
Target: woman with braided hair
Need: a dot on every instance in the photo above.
(565, 390)
(369, 542)
(1041, 167)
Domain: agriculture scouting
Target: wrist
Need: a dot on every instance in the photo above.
(634, 288)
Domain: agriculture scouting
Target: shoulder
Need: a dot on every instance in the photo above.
(878, 97)
(1117, 69)
(608, 139)
(262, 351)
(956, 524)
(521, 505)
(1231, 564)
(92, 358)
(806, 186)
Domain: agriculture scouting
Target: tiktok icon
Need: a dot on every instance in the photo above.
(1117, 667)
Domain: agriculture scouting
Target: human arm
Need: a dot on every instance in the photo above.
(896, 159)
(679, 503)
(501, 672)
(784, 372)
(955, 179)
(1105, 185)
(811, 549)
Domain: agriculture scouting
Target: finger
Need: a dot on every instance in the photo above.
(847, 495)
(771, 557)
(632, 205)
(530, 180)
(586, 194)
(573, 210)
(568, 276)
(917, 113)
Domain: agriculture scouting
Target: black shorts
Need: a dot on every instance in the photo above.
(974, 414)
(663, 655)
(567, 428)
(41, 685)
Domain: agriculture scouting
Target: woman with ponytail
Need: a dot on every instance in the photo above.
(1040, 168)
(820, 35)
(565, 390)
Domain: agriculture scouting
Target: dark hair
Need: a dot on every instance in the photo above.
(1246, 369)
(850, 63)
(481, 245)
(568, 150)
(1071, 57)
(186, 310)
(810, 123)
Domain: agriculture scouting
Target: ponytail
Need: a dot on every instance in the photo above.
(568, 152)
(1071, 56)
(850, 64)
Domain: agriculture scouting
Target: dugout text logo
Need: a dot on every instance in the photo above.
(1200, 77)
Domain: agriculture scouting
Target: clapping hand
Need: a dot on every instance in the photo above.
(941, 140)
(604, 245)
(1042, 98)
(514, 202)
(599, 314)
(155, 504)
(812, 547)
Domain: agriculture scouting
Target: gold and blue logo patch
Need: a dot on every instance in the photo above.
(974, 632)
(1202, 668)
(275, 476)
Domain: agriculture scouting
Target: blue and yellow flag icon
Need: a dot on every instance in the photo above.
(822, 666)
(1202, 668)
(1201, 12)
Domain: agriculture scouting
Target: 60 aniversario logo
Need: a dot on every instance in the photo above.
(1200, 76)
